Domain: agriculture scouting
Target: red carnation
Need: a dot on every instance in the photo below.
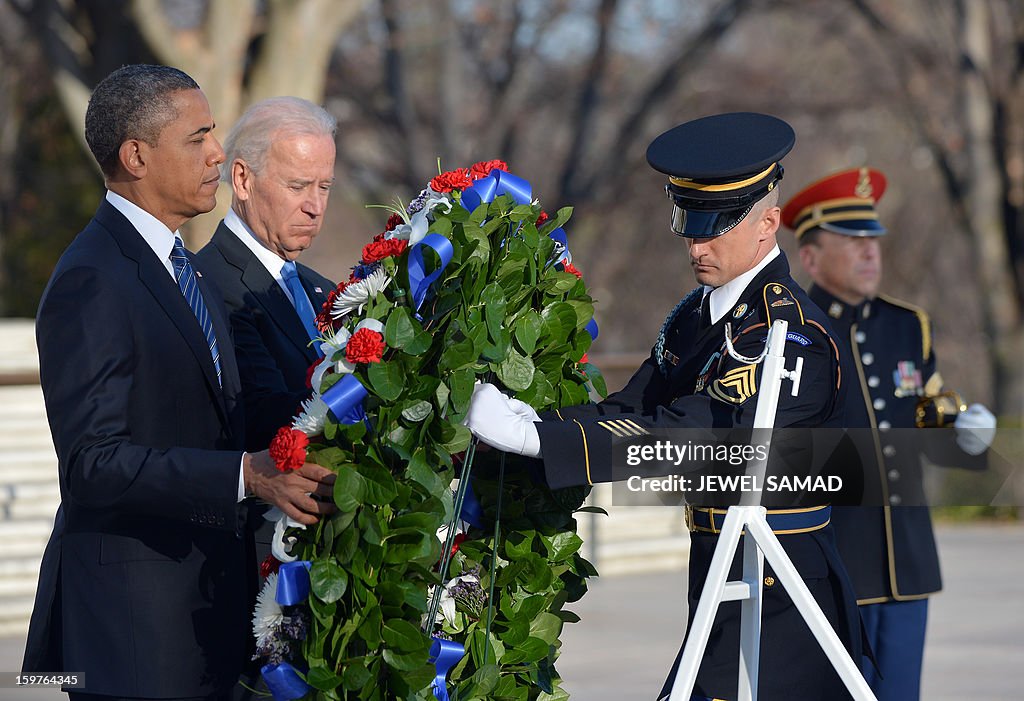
(324, 321)
(541, 219)
(288, 449)
(379, 250)
(484, 168)
(584, 359)
(365, 346)
(457, 541)
(570, 268)
(379, 237)
(452, 180)
(393, 221)
(270, 565)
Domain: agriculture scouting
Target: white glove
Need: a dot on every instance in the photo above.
(503, 423)
(975, 429)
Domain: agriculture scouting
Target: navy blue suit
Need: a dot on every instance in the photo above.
(142, 583)
(690, 381)
(271, 344)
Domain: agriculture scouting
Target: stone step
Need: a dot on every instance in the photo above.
(29, 492)
(32, 510)
(37, 528)
(27, 547)
(15, 629)
(18, 567)
(15, 608)
(651, 555)
(19, 585)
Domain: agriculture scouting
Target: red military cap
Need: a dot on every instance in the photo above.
(843, 203)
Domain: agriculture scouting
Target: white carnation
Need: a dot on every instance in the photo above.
(359, 293)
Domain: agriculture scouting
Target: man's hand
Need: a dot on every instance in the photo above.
(293, 491)
(975, 429)
(503, 423)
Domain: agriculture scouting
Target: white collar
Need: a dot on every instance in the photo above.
(270, 260)
(154, 232)
(725, 297)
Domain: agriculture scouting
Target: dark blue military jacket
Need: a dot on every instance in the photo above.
(888, 546)
(692, 381)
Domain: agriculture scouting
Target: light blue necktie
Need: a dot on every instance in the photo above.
(189, 285)
(300, 301)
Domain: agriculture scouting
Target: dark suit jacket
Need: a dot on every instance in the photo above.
(141, 585)
(271, 344)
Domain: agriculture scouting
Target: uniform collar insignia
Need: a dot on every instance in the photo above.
(835, 310)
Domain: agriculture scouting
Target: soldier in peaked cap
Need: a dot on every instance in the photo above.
(723, 183)
(888, 545)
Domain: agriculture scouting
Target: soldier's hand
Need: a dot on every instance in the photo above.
(503, 423)
(975, 429)
(293, 492)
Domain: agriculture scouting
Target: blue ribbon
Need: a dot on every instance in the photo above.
(419, 281)
(443, 654)
(591, 328)
(497, 183)
(345, 400)
(284, 682)
(559, 237)
(293, 582)
(472, 512)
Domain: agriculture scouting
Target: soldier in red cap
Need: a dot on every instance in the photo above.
(887, 545)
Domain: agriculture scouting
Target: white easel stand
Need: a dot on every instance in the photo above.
(759, 543)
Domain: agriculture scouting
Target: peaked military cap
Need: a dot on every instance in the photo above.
(843, 203)
(718, 167)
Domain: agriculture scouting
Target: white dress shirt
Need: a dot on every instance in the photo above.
(724, 298)
(161, 240)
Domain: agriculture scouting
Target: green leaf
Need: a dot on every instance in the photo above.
(584, 311)
(417, 411)
(527, 331)
(402, 636)
(530, 650)
(560, 282)
(349, 488)
(420, 471)
(419, 344)
(547, 627)
(355, 676)
(486, 678)
(563, 544)
(596, 379)
(400, 329)
(516, 372)
(323, 679)
(461, 386)
(370, 629)
(559, 320)
(380, 485)
(404, 661)
(387, 379)
(493, 299)
(460, 440)
(327, 580)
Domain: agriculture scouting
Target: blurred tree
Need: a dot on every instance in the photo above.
(239, 51)
(976, 134)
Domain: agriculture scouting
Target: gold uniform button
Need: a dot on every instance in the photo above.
(769, 581)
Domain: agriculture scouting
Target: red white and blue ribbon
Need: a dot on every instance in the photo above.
(283, 680)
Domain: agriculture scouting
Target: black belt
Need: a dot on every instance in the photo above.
(781, 521)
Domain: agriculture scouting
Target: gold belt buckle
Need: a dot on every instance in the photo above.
(688, 518)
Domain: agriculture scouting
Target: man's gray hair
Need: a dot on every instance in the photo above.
(254, 132)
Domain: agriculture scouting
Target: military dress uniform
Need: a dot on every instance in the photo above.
(692, 380)
(887, 545)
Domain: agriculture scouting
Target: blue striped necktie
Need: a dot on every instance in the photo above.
(303, 307)
(189, 285)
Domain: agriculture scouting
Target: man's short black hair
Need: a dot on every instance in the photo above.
(810, 237)
(133, 102)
